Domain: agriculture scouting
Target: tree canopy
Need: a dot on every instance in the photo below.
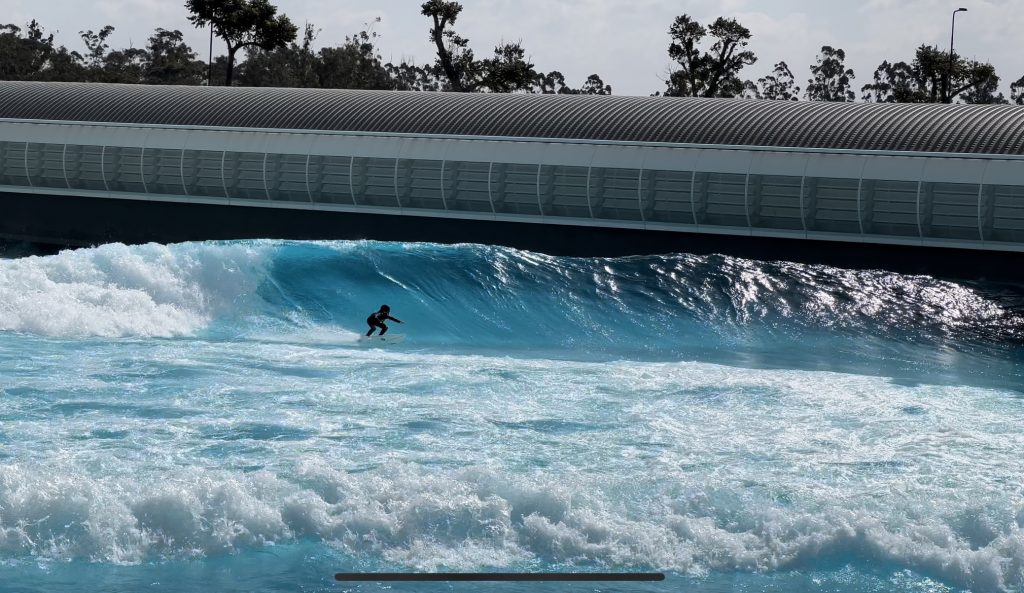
(32, 55)
(708, 61)
(242, 23)
(1017, 91)
(508, 71)
(924, 80)
(830, 78)
(777, 86)
(171, 60)
(712, 73)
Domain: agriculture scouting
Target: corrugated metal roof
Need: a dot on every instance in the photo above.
(969, 129)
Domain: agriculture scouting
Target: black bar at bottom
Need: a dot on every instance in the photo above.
(500, 576)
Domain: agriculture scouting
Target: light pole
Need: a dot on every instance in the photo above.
(949, 75)
(209, 62)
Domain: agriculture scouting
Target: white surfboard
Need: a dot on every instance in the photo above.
(385, 339)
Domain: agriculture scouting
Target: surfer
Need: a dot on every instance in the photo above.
(377, 320)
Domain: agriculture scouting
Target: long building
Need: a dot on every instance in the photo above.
(923, 187)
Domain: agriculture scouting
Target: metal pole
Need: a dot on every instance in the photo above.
(209, 64)
(947, 91)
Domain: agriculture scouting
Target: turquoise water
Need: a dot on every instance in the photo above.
(201, 417)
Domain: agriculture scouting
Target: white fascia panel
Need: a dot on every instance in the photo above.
(378, 147)
(835, 166)
(426, 149)
(11, 131)
(791, 164)
(172, 139)
(207, 140)
(20, 132)
(42, 133)
(893, 168)
(514, 153)
(618, 157)
(670, 159)
(953, 170)
(288, 143)
(122, 137)
(568, 155)
(1004, 172)
(82, 136)
(473, 151)
(724, 161)
(245, 142)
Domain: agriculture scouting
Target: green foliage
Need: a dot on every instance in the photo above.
(241, 24)
(125, 66)
(777, 86)
(272, 56)
(289, 66)
(1017, 91)
(713, 73)
(355, 64)
(830, 78)
(986, 93)
(171, 60)
(893, 83)
(595, 86)
(553, 83)
(454, 57)
(932, 78)
(508, 71)
(32, 55)
(96, 46)
(409, 77)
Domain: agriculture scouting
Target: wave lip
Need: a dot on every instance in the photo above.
(490, 297)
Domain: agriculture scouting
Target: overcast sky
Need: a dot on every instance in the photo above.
(625, 41)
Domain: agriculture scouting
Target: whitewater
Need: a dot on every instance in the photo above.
(201, 417)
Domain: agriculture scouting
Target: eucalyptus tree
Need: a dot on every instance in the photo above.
(242, 24)
(105, 65)
(830, 78)
(508, 71)
(924, 79)
(553, 83)
(780, 85)
(30, 54)
(171, 60)
(712, 73)
(1017, 91)
(454, 56)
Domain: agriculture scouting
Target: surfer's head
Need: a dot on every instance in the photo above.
(385, 308)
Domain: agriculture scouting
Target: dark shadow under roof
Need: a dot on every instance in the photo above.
(968, 129)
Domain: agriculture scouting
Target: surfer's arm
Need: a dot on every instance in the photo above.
(394, 319)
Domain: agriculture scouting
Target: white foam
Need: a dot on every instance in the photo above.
(115, 290)
(464, 520)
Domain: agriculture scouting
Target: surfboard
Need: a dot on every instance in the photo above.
(385, 339)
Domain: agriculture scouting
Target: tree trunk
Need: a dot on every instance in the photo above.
(231, 65)
(445, 57)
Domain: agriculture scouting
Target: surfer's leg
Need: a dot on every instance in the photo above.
(383, 329)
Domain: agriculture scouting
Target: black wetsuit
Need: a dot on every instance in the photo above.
(377, 320)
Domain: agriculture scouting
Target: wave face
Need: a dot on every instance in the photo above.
(177, 410)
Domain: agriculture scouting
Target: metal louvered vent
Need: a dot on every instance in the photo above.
(966, 129)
